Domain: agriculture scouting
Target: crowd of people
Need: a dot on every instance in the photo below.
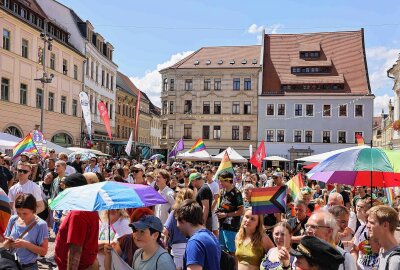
(207, 222)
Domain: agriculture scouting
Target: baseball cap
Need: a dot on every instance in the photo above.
(140, 167)
(194, 176)
(150, 174)
(25, 154)
(277, 174)
(148, 221)
(318, 252)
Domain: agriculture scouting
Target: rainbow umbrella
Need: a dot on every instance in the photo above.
(360, 167)
(106, 196)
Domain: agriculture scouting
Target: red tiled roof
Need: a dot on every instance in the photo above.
(131, 86)
(222, 57)
(316, 79)
(344, 49)
(296, 62)
(310, 47)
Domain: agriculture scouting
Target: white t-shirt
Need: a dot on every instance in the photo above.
(366, 259)
(28, 187)
(69, 170)
(214, 187)
(162, 210)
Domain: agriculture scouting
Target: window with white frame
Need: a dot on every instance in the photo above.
(280, 135)
(341, 136)
(326, 136)
(269, 135)
(270, 109)
(297, 136)
(326, 110)
(281, 109)
(343, 110)
(298, 110)
(308, 136)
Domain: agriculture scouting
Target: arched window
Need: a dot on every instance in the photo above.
(62, 139)
(13, 131)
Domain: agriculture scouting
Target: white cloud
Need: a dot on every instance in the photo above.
(258, 29)
(150, 83)
(380, 59)
(381, 102)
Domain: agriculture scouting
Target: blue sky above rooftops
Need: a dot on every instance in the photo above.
(150, 35)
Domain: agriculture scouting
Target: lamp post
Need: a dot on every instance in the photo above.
(46, 78)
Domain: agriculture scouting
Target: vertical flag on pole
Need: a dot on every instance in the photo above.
(104, 115)
(258, 156)
(359, 139)
(128, 147)
(84, 99)
(137, 115)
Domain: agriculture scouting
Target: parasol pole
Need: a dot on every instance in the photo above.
(371, 175)
(109, 227)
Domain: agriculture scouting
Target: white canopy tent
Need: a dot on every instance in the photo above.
(276, 158)
(323, 156)
(197, 156)
(8, 141)
(93, 151)
(234, 156)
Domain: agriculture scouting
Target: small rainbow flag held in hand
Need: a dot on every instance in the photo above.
(225, 165)
(25, 145)
(389, 192)
(359, 139)
(198, 146)
(295, 185)
(268, 200)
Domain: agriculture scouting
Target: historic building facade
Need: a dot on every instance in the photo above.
(21, 58)
(99, 69)
(212, 94)
(315, 94)
(394, 73)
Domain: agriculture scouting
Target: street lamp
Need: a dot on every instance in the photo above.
(46, 78)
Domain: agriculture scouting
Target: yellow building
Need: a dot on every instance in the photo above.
(22, 94)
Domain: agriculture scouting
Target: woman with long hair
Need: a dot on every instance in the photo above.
(279, 257)
(172, 236)
(251, 242)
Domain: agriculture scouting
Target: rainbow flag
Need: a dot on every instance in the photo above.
(295, 185)
(359, 139)
(268, 200)
(198, 146)
(25, 145)
(389, 192)
(225, 165)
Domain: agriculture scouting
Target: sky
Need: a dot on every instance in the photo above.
(150, 35)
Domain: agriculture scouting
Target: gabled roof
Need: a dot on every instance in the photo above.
(344, 51)
(125, 83)
(221, 57)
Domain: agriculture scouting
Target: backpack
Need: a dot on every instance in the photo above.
(227, 261)
(395, 252)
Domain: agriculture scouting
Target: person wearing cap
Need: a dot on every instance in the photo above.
(138, 171)
(25, 186)
(161, 210)
(202, 249)
(323, 225)
(24, 157)
(150, 255)
(315, 254)
(204, 197)
(6, 177)
(76, 242)
(229, 211)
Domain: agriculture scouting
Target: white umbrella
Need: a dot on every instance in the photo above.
(234, 156)
(323, 156)
(276, 158)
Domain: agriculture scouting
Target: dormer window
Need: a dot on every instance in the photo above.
(309, 55)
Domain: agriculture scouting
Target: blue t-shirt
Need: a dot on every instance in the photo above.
(203, 249)
(175, 235)
(36, 236)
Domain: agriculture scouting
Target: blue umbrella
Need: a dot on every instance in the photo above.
(106, 196)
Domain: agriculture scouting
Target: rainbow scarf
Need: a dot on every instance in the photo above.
(225, 165)
(25, 145)
(198, 146)
(268, 200)
(295, 185)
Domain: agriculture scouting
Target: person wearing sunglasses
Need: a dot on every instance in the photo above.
(25, 186)
(77, 163)
(137, 172)
(93, 166)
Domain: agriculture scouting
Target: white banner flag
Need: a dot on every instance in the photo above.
(128, 147)
(84, 99)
